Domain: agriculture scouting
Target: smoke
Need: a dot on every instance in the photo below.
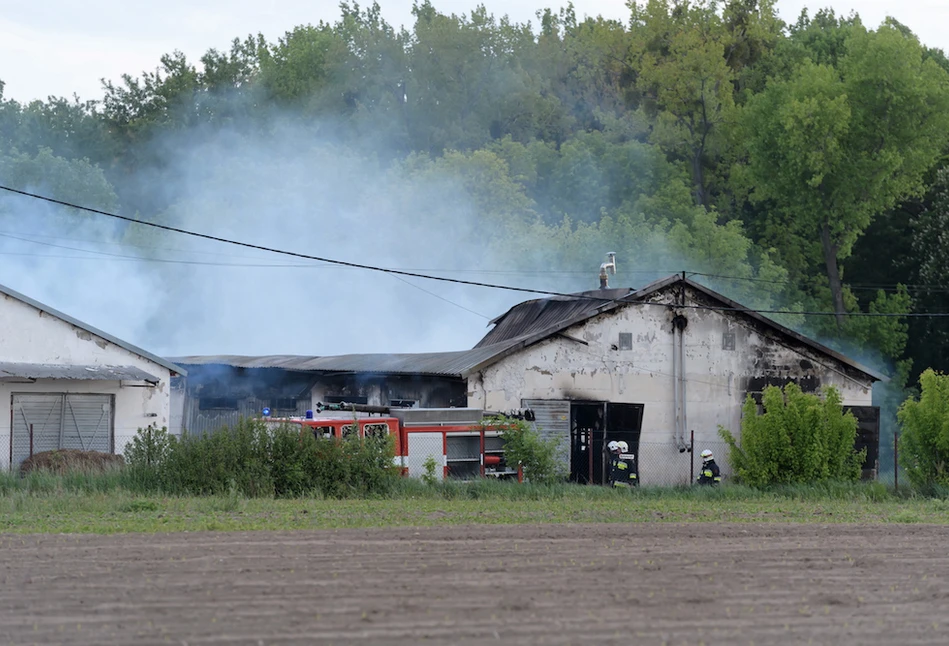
(287, 187)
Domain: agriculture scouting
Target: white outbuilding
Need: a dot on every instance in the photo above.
(72, 386)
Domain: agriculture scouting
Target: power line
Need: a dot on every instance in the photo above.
(413, 274)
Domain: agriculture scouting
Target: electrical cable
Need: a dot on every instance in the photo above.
(472, 283)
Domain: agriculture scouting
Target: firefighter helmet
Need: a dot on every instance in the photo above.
(706, 455)
(623, 446)
(613, 446)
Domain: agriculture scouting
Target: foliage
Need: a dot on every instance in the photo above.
(537, 456)
(430, 477)
(701, 136)
(799, 438)
(924, 442)
(253, 460)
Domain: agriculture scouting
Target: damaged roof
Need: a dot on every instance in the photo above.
(521, 326)
(535, 320)
(175, 370)
(444, 364)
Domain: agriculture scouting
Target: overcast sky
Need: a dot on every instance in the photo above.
(62, 47)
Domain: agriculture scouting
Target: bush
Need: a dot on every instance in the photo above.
(538, 457)
(924, 444)
(253, 460)
(800, 438)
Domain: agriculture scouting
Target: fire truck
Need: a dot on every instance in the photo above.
(465, 443)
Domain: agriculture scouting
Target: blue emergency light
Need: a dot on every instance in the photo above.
(266, 412)
(309, 414)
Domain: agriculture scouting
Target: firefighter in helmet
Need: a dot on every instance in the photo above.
(632, 472)
(622, 465)
(710, 473)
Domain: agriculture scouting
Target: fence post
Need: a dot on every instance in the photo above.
(31, 440)
(896, 464)
(691, 457)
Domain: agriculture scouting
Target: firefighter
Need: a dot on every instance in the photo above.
(632, 473)
(710, 474)
(622, 473)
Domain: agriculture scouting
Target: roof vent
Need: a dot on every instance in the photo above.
(606, 269)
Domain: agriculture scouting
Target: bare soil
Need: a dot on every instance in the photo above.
(552, 584)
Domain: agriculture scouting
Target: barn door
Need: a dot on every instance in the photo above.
(60, 421)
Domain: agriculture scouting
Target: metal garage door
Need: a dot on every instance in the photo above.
(552, 420)
(61, 421)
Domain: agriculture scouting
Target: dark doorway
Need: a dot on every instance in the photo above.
(623, 422)
(586, 434)
(592, 425)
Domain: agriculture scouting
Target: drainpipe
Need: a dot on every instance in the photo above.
(683, 401)
(675, 382)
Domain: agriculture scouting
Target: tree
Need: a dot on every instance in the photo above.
(924, 444)
(831, 148)
(800, 438)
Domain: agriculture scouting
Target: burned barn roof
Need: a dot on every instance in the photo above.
(447, 364)
(523, 325)
(535, 320)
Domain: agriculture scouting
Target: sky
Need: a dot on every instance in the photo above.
(64, 47)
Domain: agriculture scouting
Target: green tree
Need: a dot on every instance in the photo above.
(799, 438)
(831, 148)
(924, 443)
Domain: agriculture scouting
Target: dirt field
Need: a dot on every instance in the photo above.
(592, 584)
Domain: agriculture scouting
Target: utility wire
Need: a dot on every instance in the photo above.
(458, 281)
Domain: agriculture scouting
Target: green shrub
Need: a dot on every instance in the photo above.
(924, 444)
(253, 460)
(799, 438)
(537, 456)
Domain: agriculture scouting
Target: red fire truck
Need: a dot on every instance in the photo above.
(461, 441)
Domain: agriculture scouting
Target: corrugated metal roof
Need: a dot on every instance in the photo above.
(88, 328)
(539, 315)
(521, 326)
(10, 371)
(447, 364)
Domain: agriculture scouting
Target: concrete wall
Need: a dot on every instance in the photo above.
(32, 336)
(718, 380)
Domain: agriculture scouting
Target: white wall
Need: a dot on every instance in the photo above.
(559, 368)
(32, 336)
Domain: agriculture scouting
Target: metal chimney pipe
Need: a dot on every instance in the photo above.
(606, 269)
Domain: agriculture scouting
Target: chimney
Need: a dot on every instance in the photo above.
(606, 269)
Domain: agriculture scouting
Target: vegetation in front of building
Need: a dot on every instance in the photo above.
(256, 461)
(798, 438)
(924, 444)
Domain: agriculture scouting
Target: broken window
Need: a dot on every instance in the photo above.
(283, 404)
(625, 340)
(217, 403)
(345, 399)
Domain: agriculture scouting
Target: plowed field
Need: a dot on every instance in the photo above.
(553, 584)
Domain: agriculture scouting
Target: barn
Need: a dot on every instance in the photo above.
(656, 367)
(661, 367)
(72, 386)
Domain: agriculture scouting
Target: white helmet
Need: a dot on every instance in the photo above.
(706, 455)
(623, 446)
(613, 446)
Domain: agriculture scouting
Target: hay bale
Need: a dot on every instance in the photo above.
(62, 461)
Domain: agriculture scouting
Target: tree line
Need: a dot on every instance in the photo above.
(802, 165)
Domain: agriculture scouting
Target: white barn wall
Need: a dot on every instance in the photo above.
(717, 379)
(34, 336)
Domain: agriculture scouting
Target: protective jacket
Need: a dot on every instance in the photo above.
(710, 474)
(623, 472)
